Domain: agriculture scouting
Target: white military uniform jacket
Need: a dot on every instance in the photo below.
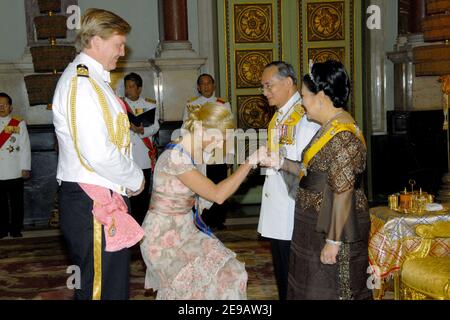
(15, 154)
(139, 150)
(276, 219)
(200, 101)
(113, 168)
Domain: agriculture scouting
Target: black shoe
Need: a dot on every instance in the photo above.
(150, 293)
(16, 234)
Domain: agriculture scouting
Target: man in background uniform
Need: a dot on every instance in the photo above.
(15, 166)
(206, 87)
(289, 129)
(143, 142)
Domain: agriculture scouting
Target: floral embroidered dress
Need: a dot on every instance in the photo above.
(183, 262)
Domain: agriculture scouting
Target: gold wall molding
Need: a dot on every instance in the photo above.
(253, 23)
(340, 34)
(326, 21)
(324, 54)
(254, 111)
(250, 66)
(252, 39)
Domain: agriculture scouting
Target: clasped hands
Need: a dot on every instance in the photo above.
(264, 158)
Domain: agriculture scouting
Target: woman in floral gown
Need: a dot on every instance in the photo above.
(182, 261)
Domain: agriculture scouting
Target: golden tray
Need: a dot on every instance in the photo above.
(445, 210)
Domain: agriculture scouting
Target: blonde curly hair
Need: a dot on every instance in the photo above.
(211, 115)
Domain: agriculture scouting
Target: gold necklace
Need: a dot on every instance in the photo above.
(332, 118)
(286, 114)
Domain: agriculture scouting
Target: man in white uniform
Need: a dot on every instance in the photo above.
(292, 131)
(15, 166)
(144, 147)
(92, 128)
(206, 87)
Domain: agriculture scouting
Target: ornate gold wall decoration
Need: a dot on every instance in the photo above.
(254, 112)
(250, 65)
(324, 54)
(253, 23)
(326, 21)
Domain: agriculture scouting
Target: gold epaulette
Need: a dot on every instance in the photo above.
(192, 99)
(82, 71)
(222, 101)
(150, 100)
(17, 118)
(299, 109)
(296, 115)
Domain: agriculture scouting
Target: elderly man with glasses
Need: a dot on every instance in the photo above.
(15, 166)
(289, 132)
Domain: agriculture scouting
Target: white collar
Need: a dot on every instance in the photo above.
(95, 65)
(139, 100)
(6, 119)
(289, 104)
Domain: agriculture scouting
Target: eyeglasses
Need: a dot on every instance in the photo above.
(4, 105)
(269, 86)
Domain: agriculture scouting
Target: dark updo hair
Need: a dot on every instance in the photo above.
(331, 78)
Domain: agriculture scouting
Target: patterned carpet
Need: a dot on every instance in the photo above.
(35, 268)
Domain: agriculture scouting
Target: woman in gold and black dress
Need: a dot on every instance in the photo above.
(329, 249)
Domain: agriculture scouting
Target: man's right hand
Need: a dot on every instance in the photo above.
(135, 193)
(136, 129)
(133, 128)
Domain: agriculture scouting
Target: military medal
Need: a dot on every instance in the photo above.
(112, 229)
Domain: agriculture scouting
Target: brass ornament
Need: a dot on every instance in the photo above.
(254, 112)
(250, 66)
(253, 23)
(324, 54)
(326, 21)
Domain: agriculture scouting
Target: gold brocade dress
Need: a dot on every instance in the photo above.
(331, 204)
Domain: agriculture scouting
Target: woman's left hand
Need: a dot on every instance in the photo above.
(329, 253)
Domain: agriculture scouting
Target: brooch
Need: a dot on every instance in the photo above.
(112, 229)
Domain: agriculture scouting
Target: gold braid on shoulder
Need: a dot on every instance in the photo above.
(120, 138)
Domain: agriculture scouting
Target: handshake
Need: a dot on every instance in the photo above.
(264, 158)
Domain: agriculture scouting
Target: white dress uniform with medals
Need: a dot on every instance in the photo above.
(92, 128)
(276, 219)
(290, 130)
(15, 156)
